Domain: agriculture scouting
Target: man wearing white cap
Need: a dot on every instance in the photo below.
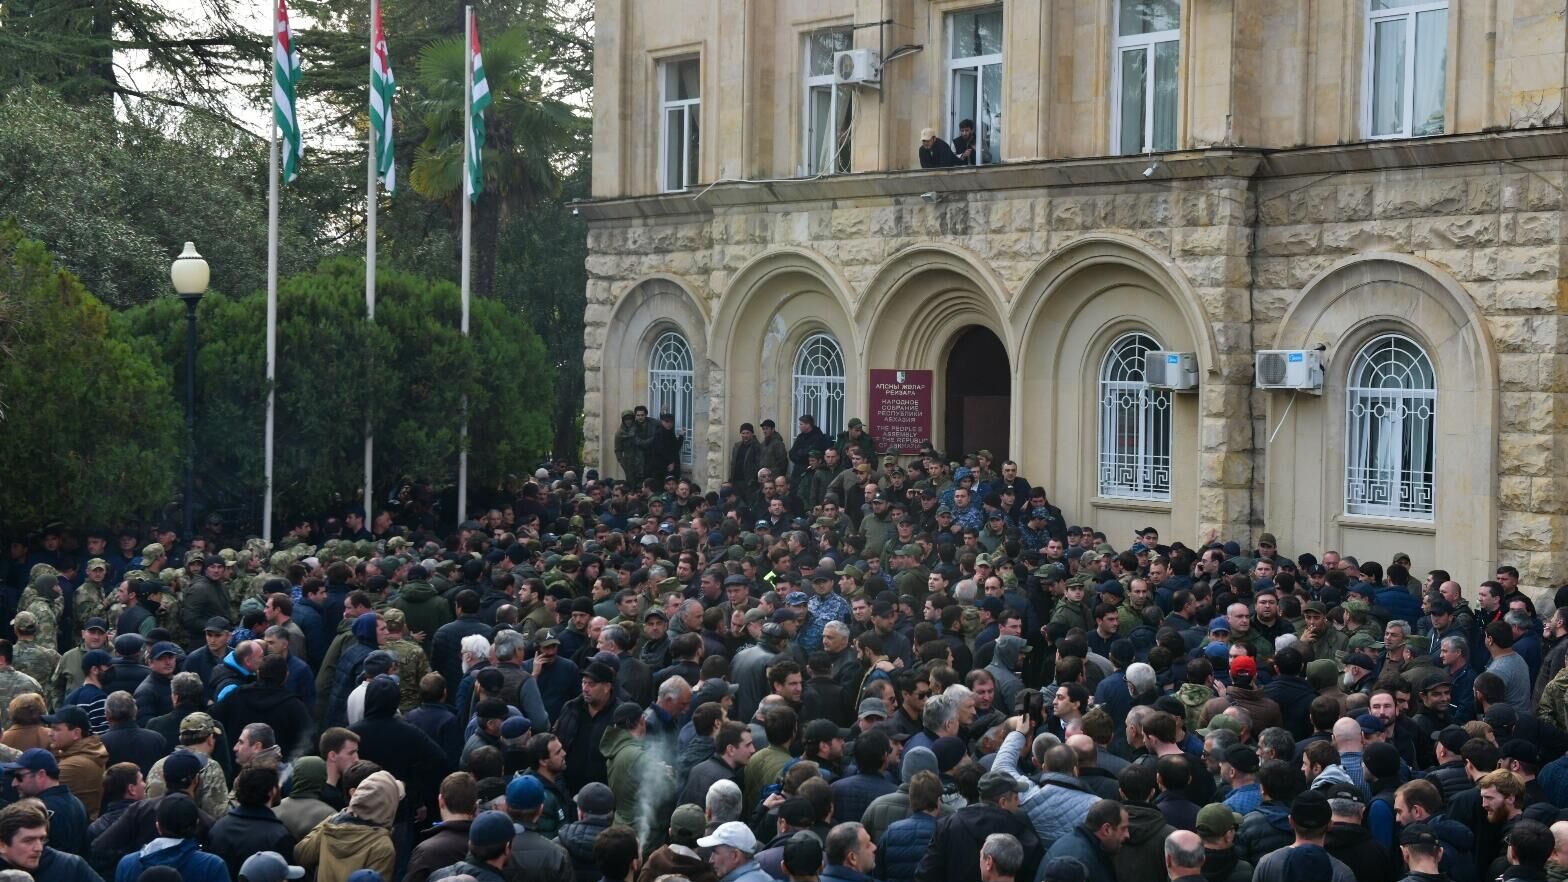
(734, 848)
(934, 152)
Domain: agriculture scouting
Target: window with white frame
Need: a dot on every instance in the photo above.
(1148, 48)
(1391, 412)
(680, 102)
(1407, 52)
(974, 92)
(671, 383)
(829, 108)
(1135, 424)
(819, 383)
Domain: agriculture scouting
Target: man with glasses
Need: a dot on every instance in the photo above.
(36, 774)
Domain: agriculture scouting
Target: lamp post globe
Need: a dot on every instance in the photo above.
(190, 274)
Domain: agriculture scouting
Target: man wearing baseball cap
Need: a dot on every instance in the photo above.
(678, 856)
(734, 853)
(269, 866)
(489, 850)
(1216, 826)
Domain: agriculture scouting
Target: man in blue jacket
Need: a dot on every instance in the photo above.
(176, 847)
(1094, 843)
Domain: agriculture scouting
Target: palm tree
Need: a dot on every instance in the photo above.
(531, 138)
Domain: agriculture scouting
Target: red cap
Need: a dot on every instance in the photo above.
(1244, 664)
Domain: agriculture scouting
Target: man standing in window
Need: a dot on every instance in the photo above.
(934, 152)
(964, 144)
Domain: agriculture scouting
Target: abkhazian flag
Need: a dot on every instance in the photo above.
(478, 100)
(285, 79)
(382, 87)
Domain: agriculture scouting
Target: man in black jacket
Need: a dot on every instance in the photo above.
(250, 826)
(268, 700)
(24, 830)
(399, 747)
(732, 748)
(934, 153)
(955, 847)
(139, 824)
(446, 655)
(127, 742)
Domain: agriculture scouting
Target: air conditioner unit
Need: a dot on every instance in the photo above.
(857, 67)
(1297, 369)
(1177, 371)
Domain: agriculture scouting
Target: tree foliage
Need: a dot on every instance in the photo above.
(408, 371)
(90, 433)
(131, 191)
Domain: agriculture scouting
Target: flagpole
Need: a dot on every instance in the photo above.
(370, 252)
(468, 145)
(272, 291)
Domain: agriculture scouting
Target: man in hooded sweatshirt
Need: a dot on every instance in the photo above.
(423, 607)
(628, 763)
(175, 847)
(399, 746)
(369, 633)
(1006, 662)
(303, 809)
(1142, 856)
(358, 838)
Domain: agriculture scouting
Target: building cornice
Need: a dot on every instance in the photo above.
(1207, 163)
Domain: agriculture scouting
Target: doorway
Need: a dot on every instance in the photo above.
(979, 390)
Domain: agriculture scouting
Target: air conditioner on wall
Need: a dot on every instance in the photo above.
(857, 67)
(1177, 371)
(1299, 370)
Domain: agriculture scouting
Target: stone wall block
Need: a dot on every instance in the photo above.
(1520, 371)
(1196, 241)
(1532, 228)
(1216, 469)
(1289, 240)
(1529, 531)
(1354, 202)
(1282, 210)
(1514, 189)
(1525, 295)
(1524, 333)
(1553, 372)
(1453, 231)
(851, 223)
(1226, 401)
(1270, 304)
(1513, 492)
(1307, 267)
(1483, 193)
(1224, 434)
(1271, 272)
(1528, 454)
(1457, 261)
(1235, 367)
(1549, 494)
(1359, 236)
(1545, 191)
(1224, 304)
(1516, 262)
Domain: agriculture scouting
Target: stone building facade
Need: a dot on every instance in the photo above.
(1426, 266)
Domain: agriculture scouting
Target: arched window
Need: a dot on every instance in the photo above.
(819, 383)
(1391, 411)
(670, 382)
(1135, 425)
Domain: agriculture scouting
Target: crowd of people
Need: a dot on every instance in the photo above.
(835, 666)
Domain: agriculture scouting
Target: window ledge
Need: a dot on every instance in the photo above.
(1127, 503)
(1392, 525)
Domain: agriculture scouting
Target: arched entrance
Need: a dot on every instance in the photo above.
(979, 386)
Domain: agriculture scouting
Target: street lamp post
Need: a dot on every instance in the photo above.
(190, 275)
